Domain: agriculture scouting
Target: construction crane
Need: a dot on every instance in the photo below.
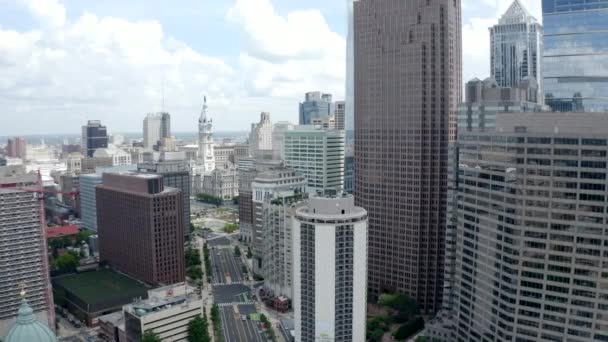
(40, 193)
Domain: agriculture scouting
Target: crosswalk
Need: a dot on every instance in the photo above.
(227, 284)
(235, 303)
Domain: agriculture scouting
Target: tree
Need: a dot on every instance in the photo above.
(249, 254)
(150, 336)
(197, 330)
(193, 257)
(194, 272)
(409, 328)
(217, 323)
(235, 200)
(83, 236)
(66, 263)
(237, 251)
(230, 228)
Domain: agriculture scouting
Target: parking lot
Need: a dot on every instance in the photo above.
(239, 325)
(227, 269)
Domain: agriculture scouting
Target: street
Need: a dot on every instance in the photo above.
(238, 325)
(227, 269)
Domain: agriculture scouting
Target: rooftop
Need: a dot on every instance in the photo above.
(101, 289)
(60, 231)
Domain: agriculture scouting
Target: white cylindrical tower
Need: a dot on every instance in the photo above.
(330, 270)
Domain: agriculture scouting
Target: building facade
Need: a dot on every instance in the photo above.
(260, 138)
(141, 227)
(318, 154)
(166, 312)
(516, 48)
(340, 115)
(576, 55)
(118, 156)
(176, 174)
(152, 123)
(222, 183)
(16, 147)
(407, 86)
(315, 106)
(274, 190)
(23, 259)
(278, 138)
(330, 270)
(94, 136)
(531, 232)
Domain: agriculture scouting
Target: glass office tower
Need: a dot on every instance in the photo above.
(576, 55)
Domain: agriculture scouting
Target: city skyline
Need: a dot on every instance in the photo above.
(248, 72)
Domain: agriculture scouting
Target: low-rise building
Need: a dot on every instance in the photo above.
(166, 312)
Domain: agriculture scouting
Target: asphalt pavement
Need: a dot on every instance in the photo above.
(237, 329)
(227, 269)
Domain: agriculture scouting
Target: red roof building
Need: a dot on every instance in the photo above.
(61, 231)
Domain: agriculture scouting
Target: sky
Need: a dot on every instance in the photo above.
(63, 62)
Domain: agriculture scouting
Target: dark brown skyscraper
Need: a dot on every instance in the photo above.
(141, 227)
(407, 58)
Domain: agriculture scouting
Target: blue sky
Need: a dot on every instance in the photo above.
(65, 61)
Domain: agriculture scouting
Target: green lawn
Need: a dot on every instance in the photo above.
(101, 286)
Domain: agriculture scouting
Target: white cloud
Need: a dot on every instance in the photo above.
(66, 72)
(286, 56)
(49, 11)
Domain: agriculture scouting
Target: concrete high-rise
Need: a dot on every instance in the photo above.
(407, 85)
(516, 49)
(271, 183)
(318, 154)
(330, 270)
(140, 224)
(531, 252)
(316, 106)
(94, 136)
(175, 170)
(23, 259)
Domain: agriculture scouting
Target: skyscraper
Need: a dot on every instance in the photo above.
(315, 106)
(16, 147)
(407, 86)
(260, 138)
(176, 174)
(152, 123)
(206, 159)
(22, 255)
(94, 136)
(272, 180)
(339, 114)
(349, 117)
(330, 266)
(531, 254)
(141, 227)
(516, 48)
(575, 61)
(318, 154)
(165, 125)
